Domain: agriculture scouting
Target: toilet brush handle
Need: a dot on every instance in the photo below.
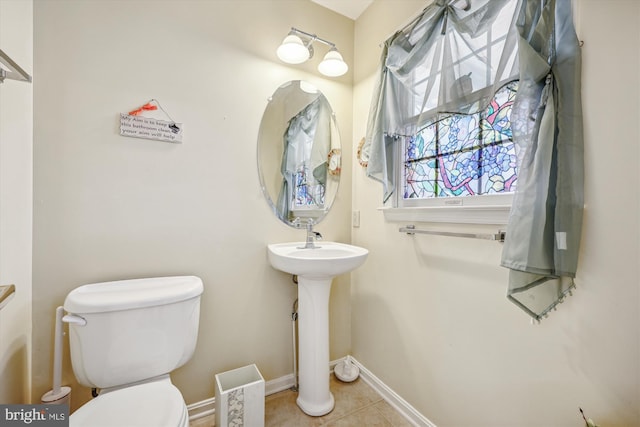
(57, 351)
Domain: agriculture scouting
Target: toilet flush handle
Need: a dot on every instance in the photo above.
(75, 319)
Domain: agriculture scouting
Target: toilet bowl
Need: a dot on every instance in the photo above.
(152, 404)
(125, 339)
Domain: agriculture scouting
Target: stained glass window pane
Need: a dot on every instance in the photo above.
(458, 132)
(420, 179)
(459, 174)
(498, 168)
(422, 145)
(496, 125)
(308, 192)
(464, 155)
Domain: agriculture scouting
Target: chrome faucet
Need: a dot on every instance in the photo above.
(311, 236)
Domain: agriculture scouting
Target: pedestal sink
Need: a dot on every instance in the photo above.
(315, 269)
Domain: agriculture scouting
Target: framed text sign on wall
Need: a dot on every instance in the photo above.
(134, 124)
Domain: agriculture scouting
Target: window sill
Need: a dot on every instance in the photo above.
(494, 214)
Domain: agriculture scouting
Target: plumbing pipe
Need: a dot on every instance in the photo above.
(294, 318)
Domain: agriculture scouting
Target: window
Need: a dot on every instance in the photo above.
(460, 159)
(460, 168)
(463, 155)
(308, 192)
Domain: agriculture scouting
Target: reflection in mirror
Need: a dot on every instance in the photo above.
(299, 154)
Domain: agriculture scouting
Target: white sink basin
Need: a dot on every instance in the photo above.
(326, 260)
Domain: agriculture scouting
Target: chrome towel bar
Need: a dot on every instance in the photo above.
(411, 229)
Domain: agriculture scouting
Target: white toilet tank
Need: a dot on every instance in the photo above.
(135, 329)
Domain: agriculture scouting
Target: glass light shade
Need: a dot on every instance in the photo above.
(292, 50)
(333, 65)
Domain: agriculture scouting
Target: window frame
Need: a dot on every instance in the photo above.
(476, 209)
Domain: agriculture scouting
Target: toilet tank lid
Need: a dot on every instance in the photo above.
(130, 294)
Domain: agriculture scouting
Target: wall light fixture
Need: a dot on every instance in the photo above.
(295, 50)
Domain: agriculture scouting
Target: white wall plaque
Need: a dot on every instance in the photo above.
(148, 128)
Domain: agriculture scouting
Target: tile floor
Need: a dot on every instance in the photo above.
(357, 404)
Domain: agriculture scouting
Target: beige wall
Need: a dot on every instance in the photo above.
(438, 331)
(16, 110)
(429, 314)
(109, 207)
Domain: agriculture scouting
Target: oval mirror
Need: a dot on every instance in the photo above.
(299, 154)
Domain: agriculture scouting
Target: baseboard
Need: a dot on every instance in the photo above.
(393, 398)
(202, 409)
(279, 384)
(206, 407)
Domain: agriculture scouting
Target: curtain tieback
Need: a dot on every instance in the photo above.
(447, 5)
(444, 21)
(544, 96)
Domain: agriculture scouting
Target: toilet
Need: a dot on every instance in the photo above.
(126, 337)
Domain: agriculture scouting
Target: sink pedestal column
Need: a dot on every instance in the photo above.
(314, 397)
(315, 269)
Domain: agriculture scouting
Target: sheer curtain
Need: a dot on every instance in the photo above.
(449, 60)
(306, 141)
(544, 228)
(452, 59)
